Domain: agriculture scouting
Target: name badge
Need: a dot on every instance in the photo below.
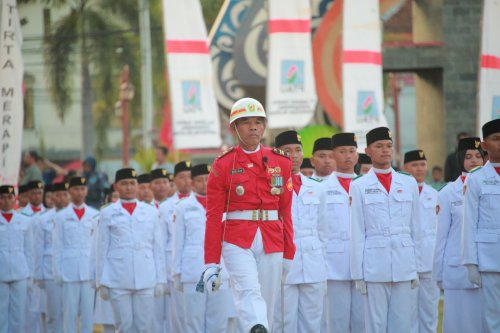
(492, 182)
(372, 191)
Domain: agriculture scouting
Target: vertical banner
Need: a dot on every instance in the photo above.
(290, 92)
(362, 68)
(195, 115)
(11, 93)
(489, 71)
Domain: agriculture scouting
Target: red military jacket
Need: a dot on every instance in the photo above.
(240, 181)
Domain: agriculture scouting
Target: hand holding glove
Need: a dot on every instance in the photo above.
(177, 283)
(104, 293)
(473, 274)
(360, 286)
(212, 278)
(415, 283)
(40, 284)
(287, 266)
(159, 289)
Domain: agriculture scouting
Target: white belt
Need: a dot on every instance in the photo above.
(388, 231)
(251, 215)
(344, 235)
(299, 233)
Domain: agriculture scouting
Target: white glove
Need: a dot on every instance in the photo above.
(178, 283)
(360, 285)
(212, 278)
(40, 284)
(415, 283)
(473, 274)
(29, 284)
(287, 266)
(440, 284)
(159, 289)
(104, 293)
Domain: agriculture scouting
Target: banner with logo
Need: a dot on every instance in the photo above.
(362, 68)
(195, 114)
(489, 71)
(11, 93)
(290, 92)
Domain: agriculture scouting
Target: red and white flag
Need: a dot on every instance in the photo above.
(362, 68)
(195, 114)
(290, 92)
(489, 71)
(11, 93)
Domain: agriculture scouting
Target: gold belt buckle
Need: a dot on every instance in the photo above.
(254, 215)
(266, 215)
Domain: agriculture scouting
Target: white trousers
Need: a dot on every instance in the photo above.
(490, 298)
(132, 310)
(12, 306)
(345, 310)
(303, 308)
(206, 313)
(162, 321)
(34, 320)
(426, 302)
(388, 307)
(78, 298)
(176, 306)
(462, 311)
(53, 313)
(255, 280)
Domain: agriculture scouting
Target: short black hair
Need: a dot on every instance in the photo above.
(163, 149)
(33, 153)
(437, 168)
(461, 135)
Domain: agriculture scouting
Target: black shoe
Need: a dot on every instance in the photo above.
(258, 329)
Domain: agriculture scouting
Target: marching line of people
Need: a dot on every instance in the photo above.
(262, 241)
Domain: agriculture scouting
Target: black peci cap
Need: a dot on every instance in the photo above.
(344, 139)
(7, 189)
(491, 127)
(158, 173)
(414, 155)
(287, 138)
(306, 164)
(35, 185)
(23, 189)
(125, 173)
(322, 144)
(469, 143)
(77, 181)
(364, 159)
(377, 134)
(61, 186)
(182, 166)
(200, 169)
(144, 178)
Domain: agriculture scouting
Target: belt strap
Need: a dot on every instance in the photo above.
(388, 231)
(251, 215)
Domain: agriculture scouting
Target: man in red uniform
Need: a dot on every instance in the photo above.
(249, 194)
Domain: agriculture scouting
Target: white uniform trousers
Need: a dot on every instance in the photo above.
(205, 313)
(426, 306)
(78, 298)
(462, 311)
(53, 313)
(490, 298)
(161, 321)
(132, 310)
(34, 321)
(176, 307)
(12, 306)
(345, 310)
(388, 307)
(255, 280)
(303, 308)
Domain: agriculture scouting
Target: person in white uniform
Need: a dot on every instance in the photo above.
(345, 306)
(174, 304)
(16, 262)
(481, 228)
(35, 304)
(74, 258)
(204, 312)
(427, 295)
(159, 185)
(44, 268)
(130, 257)
(322, 159)
(384, 235)
(462, 303)
(304, 288)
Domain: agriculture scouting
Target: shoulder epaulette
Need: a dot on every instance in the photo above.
(280, 152)
(475, 169)
(316, 180)
(226, 152)
(404, 173)
(25, 214)
(358, 176)
(442, 186)
(105, 205)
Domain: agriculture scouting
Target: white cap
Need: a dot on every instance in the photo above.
(246, 107)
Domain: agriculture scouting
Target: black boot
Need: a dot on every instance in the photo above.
(258, 329)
